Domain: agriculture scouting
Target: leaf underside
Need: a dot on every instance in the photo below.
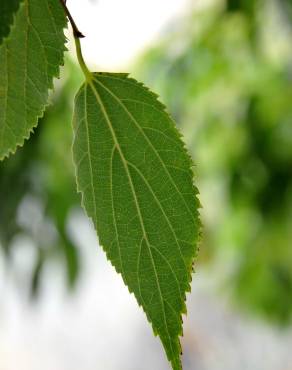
(136, 182)
(29, 59)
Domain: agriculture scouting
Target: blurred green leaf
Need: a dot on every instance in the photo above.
(27, 74)
(8, 9)
(43, 171)
(231, 91)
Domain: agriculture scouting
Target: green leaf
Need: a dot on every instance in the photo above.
(8, 8)
(136, 182)
(29, 59)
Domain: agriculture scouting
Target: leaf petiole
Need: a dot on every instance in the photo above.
(83, 66)
(77, 36)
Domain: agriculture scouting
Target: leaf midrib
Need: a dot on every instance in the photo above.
(161, 161)
(89, 155)
(146, 138)
(99, 101)
(114, 212)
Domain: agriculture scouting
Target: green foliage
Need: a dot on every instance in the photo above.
(29, 59)
(231, 90)
(8, 8)
(133, 170)
(137, 186)
(43, 173)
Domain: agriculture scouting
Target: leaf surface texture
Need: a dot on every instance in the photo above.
(29, 59)
(136, 182)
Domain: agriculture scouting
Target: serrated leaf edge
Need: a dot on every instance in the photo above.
(50, 89)
(197, 216)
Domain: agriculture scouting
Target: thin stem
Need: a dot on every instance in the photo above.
(77, 36)
(85, 70)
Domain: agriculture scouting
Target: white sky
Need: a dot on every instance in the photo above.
(118, 30)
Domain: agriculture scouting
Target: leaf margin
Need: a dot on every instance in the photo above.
(175, 364)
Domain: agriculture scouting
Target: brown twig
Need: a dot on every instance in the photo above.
(76, 32)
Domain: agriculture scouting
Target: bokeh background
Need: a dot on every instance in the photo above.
(224, 70)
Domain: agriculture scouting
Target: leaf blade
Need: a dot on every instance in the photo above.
(29, 60)
(139, 192)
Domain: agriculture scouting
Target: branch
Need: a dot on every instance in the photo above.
(77, 34)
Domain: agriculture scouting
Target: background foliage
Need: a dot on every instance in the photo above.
(231, 91)
(37, 186)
